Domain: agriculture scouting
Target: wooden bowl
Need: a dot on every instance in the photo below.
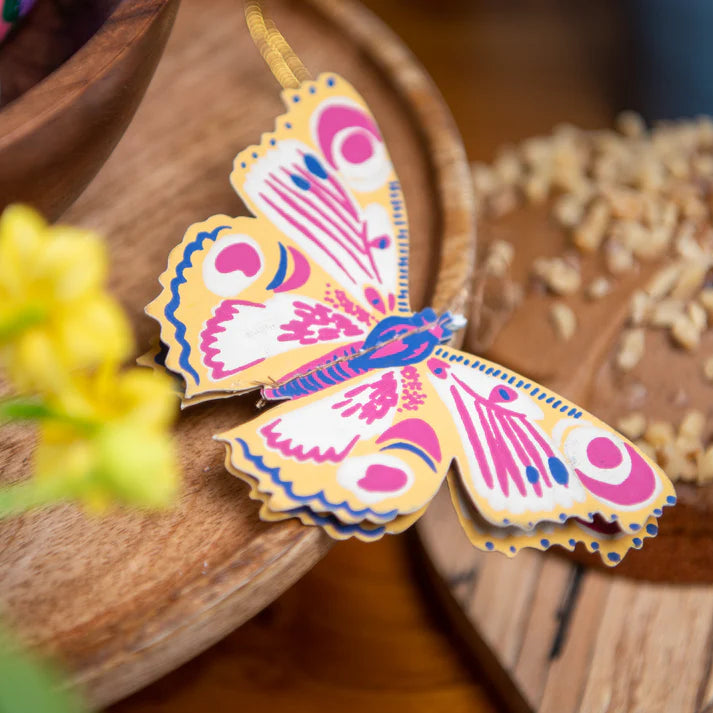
(73, 74)
(123, 599)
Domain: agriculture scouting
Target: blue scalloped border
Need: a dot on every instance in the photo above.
(175, 301)
(274, 474)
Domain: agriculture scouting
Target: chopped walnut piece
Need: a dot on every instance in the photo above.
(499, 258)
(665, 313)
(537, 150)
(501, 201)
(630, 234)
(631, 124)
(685, 332)
(508, 167)
(588, 235)
(697, 315)
(624, 202)
(686, 244)
(663, 281)
(618, 257)
(560, 276)
(537, 187)
(633, 425)
(692, 425)
(631, 349)
(564, 320)
(676, 463)
(568, 210)
(657, 243)
(484, 179)
(641, 305)
(649, 175)
(598, 288)
(690, 280)
(659, 433)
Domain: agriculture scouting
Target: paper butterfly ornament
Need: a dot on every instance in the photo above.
(308, 301)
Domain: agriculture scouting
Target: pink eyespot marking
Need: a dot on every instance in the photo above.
(357, 148)
(238, 256)
(638, 487)
(502, 394)
(438, 368)
(603, 453)
(380, 478)
(392, 301)
(381, 242)
(375, 299)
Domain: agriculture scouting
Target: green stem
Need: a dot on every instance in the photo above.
(29, 494)
(26, 408)
(22, 320)
(23, 408)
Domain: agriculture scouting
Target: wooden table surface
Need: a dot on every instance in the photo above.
(360, 632)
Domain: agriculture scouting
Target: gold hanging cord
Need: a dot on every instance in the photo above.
(279, 56)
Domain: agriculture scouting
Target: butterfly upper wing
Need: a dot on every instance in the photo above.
(363, 451)
(325, 179)
(528, 458)
(246, 301)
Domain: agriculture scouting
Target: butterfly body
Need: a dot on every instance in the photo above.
(308, 302)
(395, 341)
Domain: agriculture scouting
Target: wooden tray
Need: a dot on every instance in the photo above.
(557, 637)
(123, 599)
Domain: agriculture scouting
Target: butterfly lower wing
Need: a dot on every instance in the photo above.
(528, 458)
(236, 313)
(364, 531)
(363, 451)
(611, 545)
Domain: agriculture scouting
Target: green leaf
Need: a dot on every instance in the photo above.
(24, 409)
(29, 684)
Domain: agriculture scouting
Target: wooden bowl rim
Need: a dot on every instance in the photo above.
(23, 116)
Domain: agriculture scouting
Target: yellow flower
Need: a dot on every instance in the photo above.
(112, 443)
(54, 315)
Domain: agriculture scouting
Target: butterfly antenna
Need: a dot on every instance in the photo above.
(284, 64)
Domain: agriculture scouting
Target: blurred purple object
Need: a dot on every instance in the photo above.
(12, 12)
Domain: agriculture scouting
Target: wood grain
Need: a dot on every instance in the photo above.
(58, 132)
(561, 638)
(124, 599)
(355, 634)
(45, 39)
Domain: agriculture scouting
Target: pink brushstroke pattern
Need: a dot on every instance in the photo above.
(511, 440)
(283, 443)
(225, 312)
(315, 323)
(326, 215)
